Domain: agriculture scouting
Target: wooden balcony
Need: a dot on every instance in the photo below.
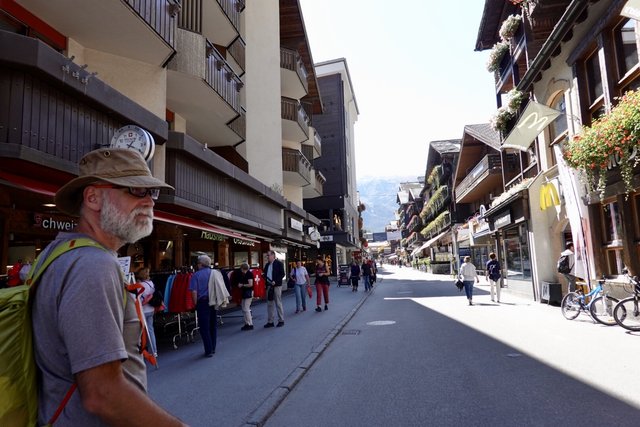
(49, 117)
(293, 75)
(202, 88)
(295, 121)
(206, 183)
(296, 168)
(143, 30)
(480, 180)
(217, 20)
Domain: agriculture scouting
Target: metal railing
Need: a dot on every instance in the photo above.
(237, 50)
(295, 161)
(239, 124)
(190, 17)
(292, 110)
(490, 162)
(221, 78)
(291, 60)
(317, 142)
(232, 8)
(160, 15)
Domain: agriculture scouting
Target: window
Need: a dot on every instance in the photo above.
(626, 45)
(611, 223)
(594, 78)
(559, 125)
(516, 250)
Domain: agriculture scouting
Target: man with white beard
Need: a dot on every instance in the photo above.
(86, 329)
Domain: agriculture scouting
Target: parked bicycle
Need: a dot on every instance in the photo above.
(627, 312)
(601, 306)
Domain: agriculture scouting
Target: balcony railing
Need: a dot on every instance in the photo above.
(292, 110)
(489, 163)
(190, 18)
(160, 15)
(237, 51)
(317, 143)
(222, 79)
(295, 161)
(232, 8)
(307, 151)
(239, 125)
(319, 182)
(291, 60)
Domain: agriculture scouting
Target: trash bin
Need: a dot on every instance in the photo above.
(551, 293)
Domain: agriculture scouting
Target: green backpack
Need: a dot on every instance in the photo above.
(18, 371)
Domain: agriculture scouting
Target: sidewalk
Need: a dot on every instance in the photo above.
(252, 371)
(601, 356)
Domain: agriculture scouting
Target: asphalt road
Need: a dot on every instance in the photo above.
(415, 354)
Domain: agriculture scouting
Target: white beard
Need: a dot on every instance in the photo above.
(128, 228)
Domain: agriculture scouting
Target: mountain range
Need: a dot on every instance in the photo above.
(379, 195)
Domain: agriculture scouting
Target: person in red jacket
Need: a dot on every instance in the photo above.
(14, 274)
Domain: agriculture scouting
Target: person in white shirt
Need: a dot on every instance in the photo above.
(467, 275)
(570, 276)
(301, 276)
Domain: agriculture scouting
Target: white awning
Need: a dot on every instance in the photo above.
(535, 118)
(435, 239)
(420, 249)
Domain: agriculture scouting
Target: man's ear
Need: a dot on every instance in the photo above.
(92, 198)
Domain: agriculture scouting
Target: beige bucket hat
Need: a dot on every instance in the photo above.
(119, 166)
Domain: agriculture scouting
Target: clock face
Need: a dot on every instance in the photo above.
(134, 138)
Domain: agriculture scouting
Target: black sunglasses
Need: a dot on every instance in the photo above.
(135, 191)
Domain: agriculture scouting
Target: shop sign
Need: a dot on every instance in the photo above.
(125, 264)
(442, 256)
(295, 224)
(549, 196)
(243, 242)
(208, 235)
(50, 223)
(326, 238)
(502, 220)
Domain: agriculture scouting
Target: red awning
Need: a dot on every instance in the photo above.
(199, 225)
(28, 184)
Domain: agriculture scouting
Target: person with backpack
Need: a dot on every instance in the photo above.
(86, 327)
(566, 266)
(493, 276)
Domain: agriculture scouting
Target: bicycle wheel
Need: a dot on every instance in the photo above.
(627, 314)
(601, 309)
(570, 306)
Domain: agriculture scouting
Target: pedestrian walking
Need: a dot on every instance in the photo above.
(148, 310)
(87, 330)
(366, 275)
(468, 274)
(493, 276)
(207, 314)
(301, 277)
(274, 273)
(246, 285)
(355, 275)
(566, 266)
(322, 284)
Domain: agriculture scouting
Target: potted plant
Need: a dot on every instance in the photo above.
(610, 141)
(495, 56)
(507, 112)
(509, 27)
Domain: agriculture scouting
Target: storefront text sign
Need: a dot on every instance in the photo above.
(502, 220)
(51, 223)
(326, 238)
(295, 224)
(243, 242)
(549, 196)
(125, 264)
(212, 236)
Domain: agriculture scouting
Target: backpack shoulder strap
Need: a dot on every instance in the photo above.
(40, 266)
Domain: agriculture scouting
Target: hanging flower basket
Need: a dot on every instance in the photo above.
(612, 140)
(509, 27)
(507, 112)
(495, 56)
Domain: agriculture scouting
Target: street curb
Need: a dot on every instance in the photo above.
(262, 413)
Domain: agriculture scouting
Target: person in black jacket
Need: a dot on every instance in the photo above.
(246, 285)
(355, 275)
(274, 273)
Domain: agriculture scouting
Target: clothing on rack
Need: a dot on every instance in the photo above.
(218, 294)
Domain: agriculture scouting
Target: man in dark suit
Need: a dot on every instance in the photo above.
(274, 273)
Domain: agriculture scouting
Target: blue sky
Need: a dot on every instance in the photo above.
(414, 70)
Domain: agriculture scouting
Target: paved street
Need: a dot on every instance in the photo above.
(413, 353)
